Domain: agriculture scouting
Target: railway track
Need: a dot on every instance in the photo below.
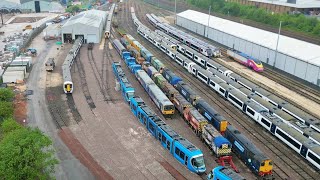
(55, 110)
(103, 86)
(298, 87)
(83, 82)
(275, 147)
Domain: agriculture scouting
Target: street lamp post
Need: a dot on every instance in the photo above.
(175, 11)
(208, 21)
(275, 59)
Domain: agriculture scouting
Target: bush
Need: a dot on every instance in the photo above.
(6, 94)
(6, 110)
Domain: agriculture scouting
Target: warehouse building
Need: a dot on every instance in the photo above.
(296, 57)
(311, 7)
(87, 24)
(36, 5)
(27, 6)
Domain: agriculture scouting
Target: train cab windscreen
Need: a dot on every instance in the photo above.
(198, 161)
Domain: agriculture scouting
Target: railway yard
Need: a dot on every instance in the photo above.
(98, 126)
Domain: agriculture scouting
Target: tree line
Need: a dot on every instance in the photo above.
(293, 22)
(25, 153)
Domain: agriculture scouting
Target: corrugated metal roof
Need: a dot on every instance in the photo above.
(293, 47)
(91, 18)
(7, 4)
(299, 3)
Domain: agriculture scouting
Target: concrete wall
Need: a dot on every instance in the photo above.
(291, 65)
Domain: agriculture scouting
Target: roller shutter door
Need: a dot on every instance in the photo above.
(92, 38)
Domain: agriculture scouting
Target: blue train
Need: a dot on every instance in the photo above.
(181, 149)
(126, 88)
(223, 173)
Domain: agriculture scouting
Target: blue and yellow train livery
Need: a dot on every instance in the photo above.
(181, 149)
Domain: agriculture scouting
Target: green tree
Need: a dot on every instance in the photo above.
(316, 30)
(25, 153)
(6, 110)
(6, 94)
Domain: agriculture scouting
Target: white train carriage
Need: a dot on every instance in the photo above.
(67, 64)
(107, 32)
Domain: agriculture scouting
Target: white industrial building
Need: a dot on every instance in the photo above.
(36, 5)
(88, 24)
(295, 57)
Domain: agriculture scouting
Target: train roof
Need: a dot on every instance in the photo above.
(262, 91)
(182, 100)
(187, 88)
(255, 106)
(235, 85)
(144, 76)
(159, 94)
(276, 99)
(238, 94)
(169, 131)
(308, 118)
(139, 100)
(220, 140)
(148, 111)
(230, 173)
(246, 142)
(209, 109)
(212, 62)
(187, 144)
(195, 113)
(235, 75)
(126, 82)
(263, 102)
(248, 83)
(203, 71)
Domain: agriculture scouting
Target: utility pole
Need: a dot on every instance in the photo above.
(208, 21)
(175, 11)
(1, 19)
(275, 59)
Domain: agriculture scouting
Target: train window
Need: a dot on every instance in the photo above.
(314, 158)
(203, 77)
(168, 145)
(178, 59)
(188, 53)
(177, 151)
(250, 111)
(186, 161)
(222, 90)
(287, 138)
(212, 84)
(164, 139)
(151, 127)
(265, 122)
(235, 100)
(145, 120)
(181, 155)
(270, 163)
(159, 136)
(196, 57)
(262, 164)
